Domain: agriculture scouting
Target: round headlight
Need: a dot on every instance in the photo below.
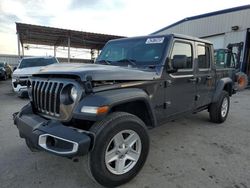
(73, 93)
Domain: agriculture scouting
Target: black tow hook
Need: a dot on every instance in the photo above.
(14, 116)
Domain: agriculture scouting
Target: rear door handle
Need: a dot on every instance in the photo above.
(209, 77)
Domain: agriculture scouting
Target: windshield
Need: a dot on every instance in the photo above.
(134, 52)
(36, 62)
(1, 65)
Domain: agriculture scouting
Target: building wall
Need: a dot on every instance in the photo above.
(13, 60)
(212, 25)
(216, 28)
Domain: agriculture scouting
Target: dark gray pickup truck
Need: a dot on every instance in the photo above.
(104, 110)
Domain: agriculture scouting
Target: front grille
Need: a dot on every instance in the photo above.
(46, 96)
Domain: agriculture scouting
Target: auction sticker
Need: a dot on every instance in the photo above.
(155, 40)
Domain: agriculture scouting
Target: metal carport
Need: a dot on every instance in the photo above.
(50, 36)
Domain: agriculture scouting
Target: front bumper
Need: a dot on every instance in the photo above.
(51, 135)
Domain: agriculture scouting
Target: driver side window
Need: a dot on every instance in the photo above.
(181, 50)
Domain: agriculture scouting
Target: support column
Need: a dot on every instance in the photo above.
(54, 51)
(92, 54)
(18, 45)
(22, 50)
(68, 49)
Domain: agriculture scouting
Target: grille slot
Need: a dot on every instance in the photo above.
(46, 96)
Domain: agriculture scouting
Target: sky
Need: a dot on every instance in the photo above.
(116, 17)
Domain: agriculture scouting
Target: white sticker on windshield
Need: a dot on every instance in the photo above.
(155, 40)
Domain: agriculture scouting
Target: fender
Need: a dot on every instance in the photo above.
(220, 86)
(113, 98)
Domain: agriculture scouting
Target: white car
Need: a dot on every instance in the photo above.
(27, 67)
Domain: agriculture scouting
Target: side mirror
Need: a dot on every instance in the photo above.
(14, 69)
(179, 62)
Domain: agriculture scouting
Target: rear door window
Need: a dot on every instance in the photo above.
(203, 57)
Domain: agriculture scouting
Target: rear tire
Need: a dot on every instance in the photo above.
(218, 111)
(120, 150)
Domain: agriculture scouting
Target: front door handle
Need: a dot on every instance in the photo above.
(209, 77)
(192, 79)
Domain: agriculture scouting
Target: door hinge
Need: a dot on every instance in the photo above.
(197, 97)
(167, 83)
(166, 104)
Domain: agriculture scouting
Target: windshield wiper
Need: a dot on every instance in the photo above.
(151, 66)
(131, 61)
(154, 66)
(105, 61)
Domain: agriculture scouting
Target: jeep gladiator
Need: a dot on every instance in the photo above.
(104, 110)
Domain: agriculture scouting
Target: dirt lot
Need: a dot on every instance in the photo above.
(188, 153)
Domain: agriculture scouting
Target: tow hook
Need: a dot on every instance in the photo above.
(14, 116)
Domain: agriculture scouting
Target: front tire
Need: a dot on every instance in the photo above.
(120, 151)
(219, 111)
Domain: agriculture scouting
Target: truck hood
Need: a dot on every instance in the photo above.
(26, 71)
(98, 72)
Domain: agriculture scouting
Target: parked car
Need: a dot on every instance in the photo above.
(104, 110)
(26, 68)
(5, 71)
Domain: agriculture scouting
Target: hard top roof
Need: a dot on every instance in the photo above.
(174, 35)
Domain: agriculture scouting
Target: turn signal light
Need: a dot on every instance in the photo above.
(102, 110)
(95, 110)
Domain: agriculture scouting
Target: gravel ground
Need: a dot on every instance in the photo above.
(188, 153)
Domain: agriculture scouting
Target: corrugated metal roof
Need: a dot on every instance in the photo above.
(35, 34)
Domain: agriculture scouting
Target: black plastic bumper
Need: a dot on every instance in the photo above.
(51, 135)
